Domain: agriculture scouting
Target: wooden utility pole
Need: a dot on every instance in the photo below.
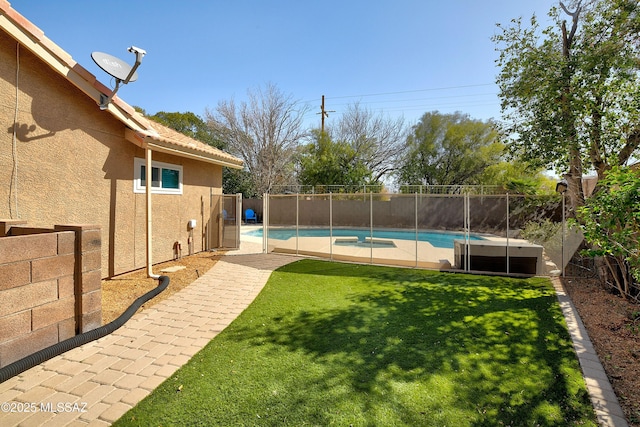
(324, 113)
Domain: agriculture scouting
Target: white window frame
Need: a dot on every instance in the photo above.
(137, 177)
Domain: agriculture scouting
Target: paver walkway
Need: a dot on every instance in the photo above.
(98, 382)
(101, 380)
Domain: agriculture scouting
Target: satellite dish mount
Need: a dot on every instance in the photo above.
(118, 69)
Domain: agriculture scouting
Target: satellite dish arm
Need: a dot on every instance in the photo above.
(140, 53)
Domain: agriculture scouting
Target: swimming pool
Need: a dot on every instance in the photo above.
(439, 239)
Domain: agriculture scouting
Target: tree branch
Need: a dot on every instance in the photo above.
(633, 142)
(568, 40)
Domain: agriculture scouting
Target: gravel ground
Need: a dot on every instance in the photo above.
(613, 325)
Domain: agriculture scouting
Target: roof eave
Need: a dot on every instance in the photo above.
(61, 62)
(138, 129)
(146, 140)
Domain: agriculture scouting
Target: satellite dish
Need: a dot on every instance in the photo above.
(113, 66)
(117, 68)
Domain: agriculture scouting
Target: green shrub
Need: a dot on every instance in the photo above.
(540, 232)
(610, 220)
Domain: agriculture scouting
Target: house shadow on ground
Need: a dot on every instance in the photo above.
(494, 349)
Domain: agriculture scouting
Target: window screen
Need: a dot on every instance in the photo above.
(166, 178)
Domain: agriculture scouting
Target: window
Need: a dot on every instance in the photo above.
(165, 178)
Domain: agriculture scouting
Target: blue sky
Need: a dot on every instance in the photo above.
(400, 57)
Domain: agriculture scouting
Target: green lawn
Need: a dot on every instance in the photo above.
(340, 344)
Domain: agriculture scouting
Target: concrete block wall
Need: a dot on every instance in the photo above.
(50, 286)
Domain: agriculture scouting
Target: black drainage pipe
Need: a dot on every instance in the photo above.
(19, 366)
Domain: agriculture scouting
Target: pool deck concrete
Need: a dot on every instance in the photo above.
(101, 380)
(402, 253)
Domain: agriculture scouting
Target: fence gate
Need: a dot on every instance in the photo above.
(223, 227)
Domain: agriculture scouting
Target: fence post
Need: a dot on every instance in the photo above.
(239, 217)
(467, 231)
(507, 233)
(563, 231)
(330, 227)
(265, 223)
(416, 220)
(210, 221)
(371, 227)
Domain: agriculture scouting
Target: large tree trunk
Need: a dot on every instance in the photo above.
(595, 151)
(574, 177)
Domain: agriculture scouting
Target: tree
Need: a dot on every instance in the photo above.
(238, 181)
(264, 132)
(189, 124)
(611, 223)
(517, 177)
(192, 125)
(376, 140)
(569, 92)
(325, 162)
(449, 149)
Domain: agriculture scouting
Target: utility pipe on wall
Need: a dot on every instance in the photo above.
(148, 166)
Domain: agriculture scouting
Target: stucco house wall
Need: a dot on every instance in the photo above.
(65, 161)
(171, 213)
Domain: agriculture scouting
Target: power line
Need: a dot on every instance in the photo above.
(415, 104)
(409, 106)
(409, 91)
(388, 101)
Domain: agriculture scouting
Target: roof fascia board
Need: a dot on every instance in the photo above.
(146, 141)
(163, 149)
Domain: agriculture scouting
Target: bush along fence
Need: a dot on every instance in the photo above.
(611, 223)
(50, 288)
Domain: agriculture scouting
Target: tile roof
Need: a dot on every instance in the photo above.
(142, 131)
(162, 137)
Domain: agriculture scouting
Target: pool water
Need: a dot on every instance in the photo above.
(439, 239)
